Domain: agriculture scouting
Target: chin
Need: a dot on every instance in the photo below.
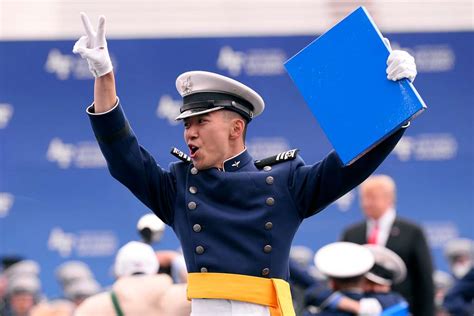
(199, 165)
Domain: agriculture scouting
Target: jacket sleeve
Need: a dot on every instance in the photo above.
(314, 187)
(131, 164)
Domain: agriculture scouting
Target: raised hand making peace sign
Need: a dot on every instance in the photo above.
(93, 47)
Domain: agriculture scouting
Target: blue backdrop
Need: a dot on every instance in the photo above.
(58, 202)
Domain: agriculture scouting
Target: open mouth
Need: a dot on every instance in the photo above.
(193, 150)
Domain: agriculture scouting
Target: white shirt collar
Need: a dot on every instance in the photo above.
(385, 223)
(386, 220)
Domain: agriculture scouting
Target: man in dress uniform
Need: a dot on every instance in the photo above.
(235, 217)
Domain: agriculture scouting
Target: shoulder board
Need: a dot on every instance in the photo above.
(180, 155)
(281, 157)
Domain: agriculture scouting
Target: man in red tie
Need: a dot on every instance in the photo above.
(383, 227)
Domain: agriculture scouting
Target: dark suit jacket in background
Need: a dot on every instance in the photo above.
(408, 241)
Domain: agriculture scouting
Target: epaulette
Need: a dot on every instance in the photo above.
(281, 157)
(180, 155)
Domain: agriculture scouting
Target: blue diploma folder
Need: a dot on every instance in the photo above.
(342, 77)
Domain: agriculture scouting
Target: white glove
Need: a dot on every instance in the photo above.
(369, 307)
(400, 64)
(93, 47)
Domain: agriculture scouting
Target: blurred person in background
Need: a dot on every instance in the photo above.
(460, 256)
(443, 282)
(217, 199)
(387, 270)
(139, 290)
(459, 300)
(6, 261)
(303, 275)
(79, 290)
(3, 291)
(151, 230)
(76, 280)
(23, 293)
(54, 308)
(345, 265)
(383, 227)
(23, 287)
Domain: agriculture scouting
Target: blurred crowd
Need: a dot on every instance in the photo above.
(381, 266)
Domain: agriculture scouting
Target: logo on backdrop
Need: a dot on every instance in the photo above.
(431, 57)
(439, 233)
(253, 62)
(427, 147)
(80, 155)
(6, 113)
(168, 109)
(66, 66)
(344, 203)
(82, 244)
(6, 203)
(263, 147)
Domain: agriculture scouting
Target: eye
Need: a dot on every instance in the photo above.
(186, 125)
(202, 120)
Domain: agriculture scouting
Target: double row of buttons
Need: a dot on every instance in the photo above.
(197, 227)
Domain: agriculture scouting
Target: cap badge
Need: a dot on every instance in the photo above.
(186, 85)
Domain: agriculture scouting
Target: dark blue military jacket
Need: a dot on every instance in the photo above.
(239, 220)
(460, 298)
(319, 300)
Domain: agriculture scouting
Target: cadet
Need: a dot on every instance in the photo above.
(150, 228)
(345, 264)
(138, 289)
(235, 218)
(388, 269)
(459, 300)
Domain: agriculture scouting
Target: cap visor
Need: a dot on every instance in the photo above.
(194, 112)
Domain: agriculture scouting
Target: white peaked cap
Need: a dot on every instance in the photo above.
(152, 222)
(205, 92)
(389, 267)
(136, 257)
(343, 260)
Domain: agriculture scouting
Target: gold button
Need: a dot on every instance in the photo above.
(203, 269)
(268, 225)
(269, 180)
(265, 272)
(197, 228)
(192, 205)
(267, 249)
(199, 250)
(193, 190)
(194, 170)
(270, 201)
(267, 168)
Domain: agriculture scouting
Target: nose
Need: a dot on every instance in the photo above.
(191, 132)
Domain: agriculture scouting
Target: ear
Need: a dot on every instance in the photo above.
(237, 128)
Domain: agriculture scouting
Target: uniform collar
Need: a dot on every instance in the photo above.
(237, 162)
